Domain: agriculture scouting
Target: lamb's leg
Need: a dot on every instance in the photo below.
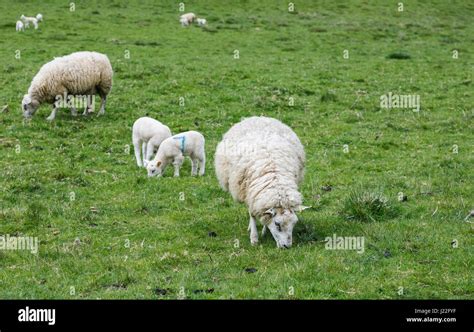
(144, 144)
(136, 147)
(253, 230)
(103, 100)
(73, 111)
(194, 167)
(52, 115)
(202, 165)
(149, 151)
(178, 161)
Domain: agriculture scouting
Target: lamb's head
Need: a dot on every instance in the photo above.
(280, 222)
(154, 168)
(29, 106)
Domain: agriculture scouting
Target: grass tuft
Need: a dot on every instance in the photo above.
(367, 205)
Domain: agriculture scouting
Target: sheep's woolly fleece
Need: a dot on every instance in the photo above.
(79, 73)
(260, 161)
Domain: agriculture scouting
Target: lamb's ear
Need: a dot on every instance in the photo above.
(158, 164)
(302, 208)
(271, 212)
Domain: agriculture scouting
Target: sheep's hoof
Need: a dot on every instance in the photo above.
(49, 118)
(254, 242)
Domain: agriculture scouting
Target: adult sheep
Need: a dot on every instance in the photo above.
(260, 161)
(77, 74)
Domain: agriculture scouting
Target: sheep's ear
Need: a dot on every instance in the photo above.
(26, 99)
(302, 208)
(158, 164)
(271, 212)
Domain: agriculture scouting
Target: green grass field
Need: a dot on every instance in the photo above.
(107, 231)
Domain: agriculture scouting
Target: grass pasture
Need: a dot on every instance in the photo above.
(107, 231)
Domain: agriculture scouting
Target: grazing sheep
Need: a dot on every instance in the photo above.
(187, 19)
(39, 18)
(260, 161)
(27, 20)
(201, 22)
(20, 26)
(80, 73)
(148, 134)
(174, 149)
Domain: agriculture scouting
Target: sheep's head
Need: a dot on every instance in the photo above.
(29, 106)
(280, 222)
(154, 168)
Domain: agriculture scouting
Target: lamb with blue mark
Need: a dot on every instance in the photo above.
(174, 149)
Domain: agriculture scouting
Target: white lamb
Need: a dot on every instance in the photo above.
(260, 161)
(77, 74)
(20, 26)
(201, 22)
(148, 134)
(187, 19)
(27, 20)
(173, 150)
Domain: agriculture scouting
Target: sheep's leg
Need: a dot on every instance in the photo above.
(52, 115)
(136, 147)
(264, 230)
(202, 165)
(144, 144)
(73, 111)
(178, 161)
(253, 230)
(89, 102)
(103, 100)
(149, 151)
(194, 166)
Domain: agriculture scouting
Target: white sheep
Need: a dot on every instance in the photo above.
(39, 18)
(77, 74)
(27, 20)
(260, 161)
(20, 26)
(187, 19)
(201, 22)
(173, 150)
(147, 134)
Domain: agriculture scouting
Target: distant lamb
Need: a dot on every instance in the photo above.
(260, 161)
(174, 149)
(201, 22)
(20, 26)
(187, 19)
(27, 20)
(77, 74)
(147, 134)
